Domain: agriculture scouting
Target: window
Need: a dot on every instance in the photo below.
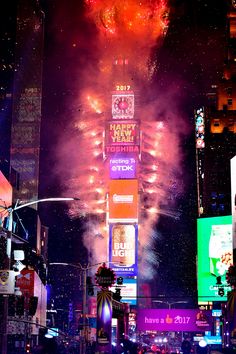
(216, 122)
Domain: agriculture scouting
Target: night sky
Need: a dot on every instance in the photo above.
(188, 62)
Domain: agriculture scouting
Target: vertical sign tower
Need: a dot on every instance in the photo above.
(122, 148)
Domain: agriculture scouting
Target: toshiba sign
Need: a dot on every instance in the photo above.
(123, 200)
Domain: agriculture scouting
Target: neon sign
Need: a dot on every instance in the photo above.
(200, 128)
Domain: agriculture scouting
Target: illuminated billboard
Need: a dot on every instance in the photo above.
(214, 249)
(128, 291)
(233, 198)
(5, 196)
(123, 242)
(122, 167)
(104, 316)
(174, 320)
(122, 133)
(200, 128)
(123, 200)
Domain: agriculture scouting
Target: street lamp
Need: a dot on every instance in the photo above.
(11, 210)
(17, 206)
(170, 303)
(84, 270)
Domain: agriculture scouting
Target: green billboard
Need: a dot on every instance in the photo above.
(214, 250)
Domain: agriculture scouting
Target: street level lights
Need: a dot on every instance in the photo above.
(84, 270)
(7, 265)
(170, 303)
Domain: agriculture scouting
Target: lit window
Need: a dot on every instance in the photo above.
(229, 90)
(216, 123)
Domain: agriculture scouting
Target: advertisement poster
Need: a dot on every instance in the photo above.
(104, 318)
(123, 201)
(174, 320)
(214, 256)
(123, 240)
(128, 291)
(26, 282)
(7, 281)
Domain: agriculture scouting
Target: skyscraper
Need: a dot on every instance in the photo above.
(7, 44)
(216, 129)
(27, 93)
(215, 147)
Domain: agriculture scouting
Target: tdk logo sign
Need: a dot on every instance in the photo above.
(122, 167)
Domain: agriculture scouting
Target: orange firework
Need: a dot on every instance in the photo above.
(128, 28)
(143, 19)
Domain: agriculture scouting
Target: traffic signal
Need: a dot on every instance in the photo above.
(20, 305)
(116, 295)
(27, 348)
(119, 281)
(89, 286)
(33, 303)
(12, 305)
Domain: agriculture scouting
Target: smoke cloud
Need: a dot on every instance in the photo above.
(129, 30)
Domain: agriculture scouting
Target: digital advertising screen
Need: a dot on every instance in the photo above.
(233, 198)
(174, 320)
(122, 133)
(200, 128)
(104, 317)
(122, 167)
(123, 200)
(128, 291)
(123, 245)
(214, 252)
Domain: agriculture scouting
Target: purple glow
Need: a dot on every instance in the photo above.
(173, 320)
(104, 316)
(122, 167)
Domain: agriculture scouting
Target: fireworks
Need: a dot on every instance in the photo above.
(128, 30)
(122, 18)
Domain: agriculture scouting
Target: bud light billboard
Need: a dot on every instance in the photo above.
(123, 248)
(122, 167)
